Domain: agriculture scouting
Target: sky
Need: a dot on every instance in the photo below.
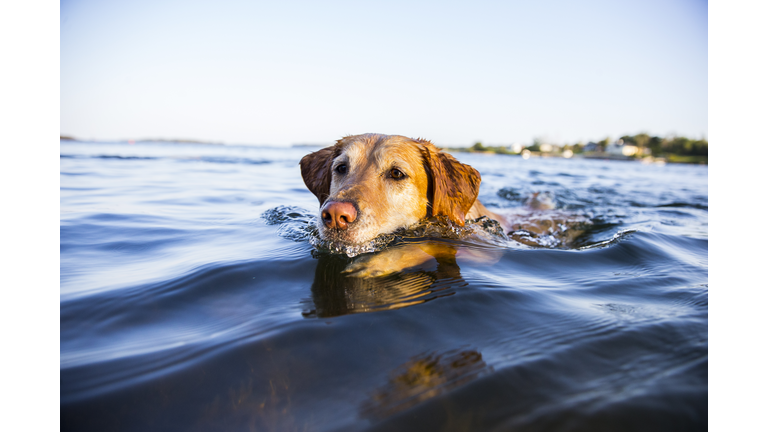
(295, 72)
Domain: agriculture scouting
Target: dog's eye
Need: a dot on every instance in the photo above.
(341, 169)
(396, 174)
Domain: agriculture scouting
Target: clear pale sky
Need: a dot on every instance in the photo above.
(258, 72)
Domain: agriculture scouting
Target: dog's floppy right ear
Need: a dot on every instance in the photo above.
(316, 172)
(454, 185)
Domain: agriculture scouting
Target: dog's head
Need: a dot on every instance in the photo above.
(374, 184)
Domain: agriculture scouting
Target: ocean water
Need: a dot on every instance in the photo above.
(192, 298)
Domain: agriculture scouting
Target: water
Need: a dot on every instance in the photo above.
(192, 298)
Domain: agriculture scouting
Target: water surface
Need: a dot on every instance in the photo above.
(184, 308)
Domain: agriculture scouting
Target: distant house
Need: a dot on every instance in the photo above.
(618, 148)
(516, 148)
(591, 147)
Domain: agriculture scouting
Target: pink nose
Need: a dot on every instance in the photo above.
(338, 214)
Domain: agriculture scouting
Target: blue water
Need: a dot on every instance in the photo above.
(185, 306)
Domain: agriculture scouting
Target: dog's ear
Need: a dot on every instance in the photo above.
(453, 185)
(316, 172)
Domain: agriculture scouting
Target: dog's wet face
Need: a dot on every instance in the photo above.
(377, 185)
(372, 184)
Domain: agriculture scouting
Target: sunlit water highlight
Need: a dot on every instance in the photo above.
(195, 295)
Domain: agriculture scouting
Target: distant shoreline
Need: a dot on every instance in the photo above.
(604, 150)
(659, 160)
(640, 148)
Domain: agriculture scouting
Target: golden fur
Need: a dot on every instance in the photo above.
(434, 184)
(362, 195)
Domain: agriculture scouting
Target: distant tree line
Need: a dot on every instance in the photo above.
(672, 148)
(680, 146)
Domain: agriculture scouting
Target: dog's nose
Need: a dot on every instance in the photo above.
(338, 214)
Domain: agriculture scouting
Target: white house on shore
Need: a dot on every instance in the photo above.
(516, 148)
(618, 148)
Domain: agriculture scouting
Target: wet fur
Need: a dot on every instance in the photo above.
(436, 184)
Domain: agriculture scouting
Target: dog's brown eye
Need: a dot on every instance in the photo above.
(341, 169)
(396, 174)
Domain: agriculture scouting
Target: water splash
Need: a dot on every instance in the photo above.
(296, 223)
(552, 229)
(538, 229)
(300, 225)
(481, 230)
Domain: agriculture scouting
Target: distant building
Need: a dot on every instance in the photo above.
(516, 148)
(618, 148)
(591, 147)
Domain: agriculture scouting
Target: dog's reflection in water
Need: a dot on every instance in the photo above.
(340, 289)
(422, 378)
(343, 285)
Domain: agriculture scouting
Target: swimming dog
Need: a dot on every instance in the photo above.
(374, 184)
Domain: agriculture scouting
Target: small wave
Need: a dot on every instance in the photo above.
(66, 156)
(511, 194)
(556, 196)
(685, 205)
(226, 160)
(618, 237)
(208, 159)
